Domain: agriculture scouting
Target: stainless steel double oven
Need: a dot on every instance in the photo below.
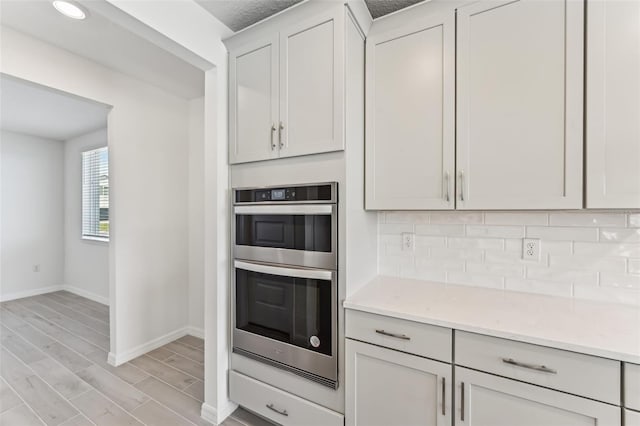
(285, 289)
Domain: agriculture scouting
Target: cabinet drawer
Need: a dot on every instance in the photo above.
(406, 336)
(632, 386)
(584, 375)
(277, 405)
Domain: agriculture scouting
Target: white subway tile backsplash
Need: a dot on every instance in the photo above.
(480, 243)
(447, 230)
(586, 219)
(606, 249)
(516, 218)
(540, 287)
(628, 235)
(495, 231)
(406, 217)
(585, 255)
(562, 233)
(456, 217)
(620, 280)
(490, 281)
(394, 228)
(591, 263)
(574, 276)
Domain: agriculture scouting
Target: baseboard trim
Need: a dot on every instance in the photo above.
(29, 293)
(87, 294)
(195, 331)
(117, 359)
(215, 416)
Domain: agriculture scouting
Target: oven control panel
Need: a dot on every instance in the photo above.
(307, 193)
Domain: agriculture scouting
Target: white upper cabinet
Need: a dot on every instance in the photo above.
(410, 125)
(613, 104)
(253, 102)
(310, 105)
(286, 90)
(520, 104)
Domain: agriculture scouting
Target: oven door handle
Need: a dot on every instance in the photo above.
(286, 209)
(288, 271)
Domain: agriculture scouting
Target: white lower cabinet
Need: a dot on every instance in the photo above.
(487, 400)
(278, 405)
(387, 387)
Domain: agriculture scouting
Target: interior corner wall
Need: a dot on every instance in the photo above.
(32, 215)
(86, 262)
(148, 159)
(196, 217)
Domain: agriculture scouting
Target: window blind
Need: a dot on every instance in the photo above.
(95, 193)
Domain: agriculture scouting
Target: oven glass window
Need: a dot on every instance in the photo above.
(296, 232)
(291, 310)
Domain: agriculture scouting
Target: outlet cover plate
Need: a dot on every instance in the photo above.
(531, 249)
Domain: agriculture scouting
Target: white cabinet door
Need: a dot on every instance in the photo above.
(410, 141)
(520, 104)
(631, 418)
(253, 102)
(486, 400)
(613, 104)
(386, 387)
(311, 84)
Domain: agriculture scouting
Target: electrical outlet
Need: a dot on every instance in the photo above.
(36, 268)
(531, 249)
(408, 241)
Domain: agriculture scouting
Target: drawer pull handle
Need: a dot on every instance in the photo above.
(397, 336)
(282, 412)
(444, 398)
(541, 368)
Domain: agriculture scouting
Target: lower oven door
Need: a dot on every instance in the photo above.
(287, 316)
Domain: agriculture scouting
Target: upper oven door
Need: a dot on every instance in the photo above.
(302, 235)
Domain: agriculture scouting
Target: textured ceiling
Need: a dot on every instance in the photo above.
(239, 14)
(47, 113)
(380, 8)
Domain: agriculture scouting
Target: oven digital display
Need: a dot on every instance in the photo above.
(278, 194)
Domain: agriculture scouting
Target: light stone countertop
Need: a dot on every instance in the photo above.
(602, 329)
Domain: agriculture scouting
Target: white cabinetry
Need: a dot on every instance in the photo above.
(484, 399)
(410, 115)
(286, 90)
(387, 387)
(519, 104)
(613, 104)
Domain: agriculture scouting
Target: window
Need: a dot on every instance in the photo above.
(95, 194)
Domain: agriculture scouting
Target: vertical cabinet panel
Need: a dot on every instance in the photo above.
(386, 387)
(519, 104)
(613, 104)
(253, 102)
(311, 103)
(483, 399)
(410, 143)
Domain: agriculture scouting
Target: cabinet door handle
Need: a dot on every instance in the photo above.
(444, 408)
(462, 401)
(461, 185)
(446, 186)
(273, 130)
(281, 128)
(272, 408)
(542, 368)
(397, 336)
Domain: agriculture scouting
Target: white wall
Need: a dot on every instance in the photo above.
(586, 255)
(86, 264)
(32, 215)
(148, 138)
(196, 217)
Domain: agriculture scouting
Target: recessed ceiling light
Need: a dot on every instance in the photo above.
(68, 9)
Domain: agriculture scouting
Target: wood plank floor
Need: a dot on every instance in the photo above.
(54, 371)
